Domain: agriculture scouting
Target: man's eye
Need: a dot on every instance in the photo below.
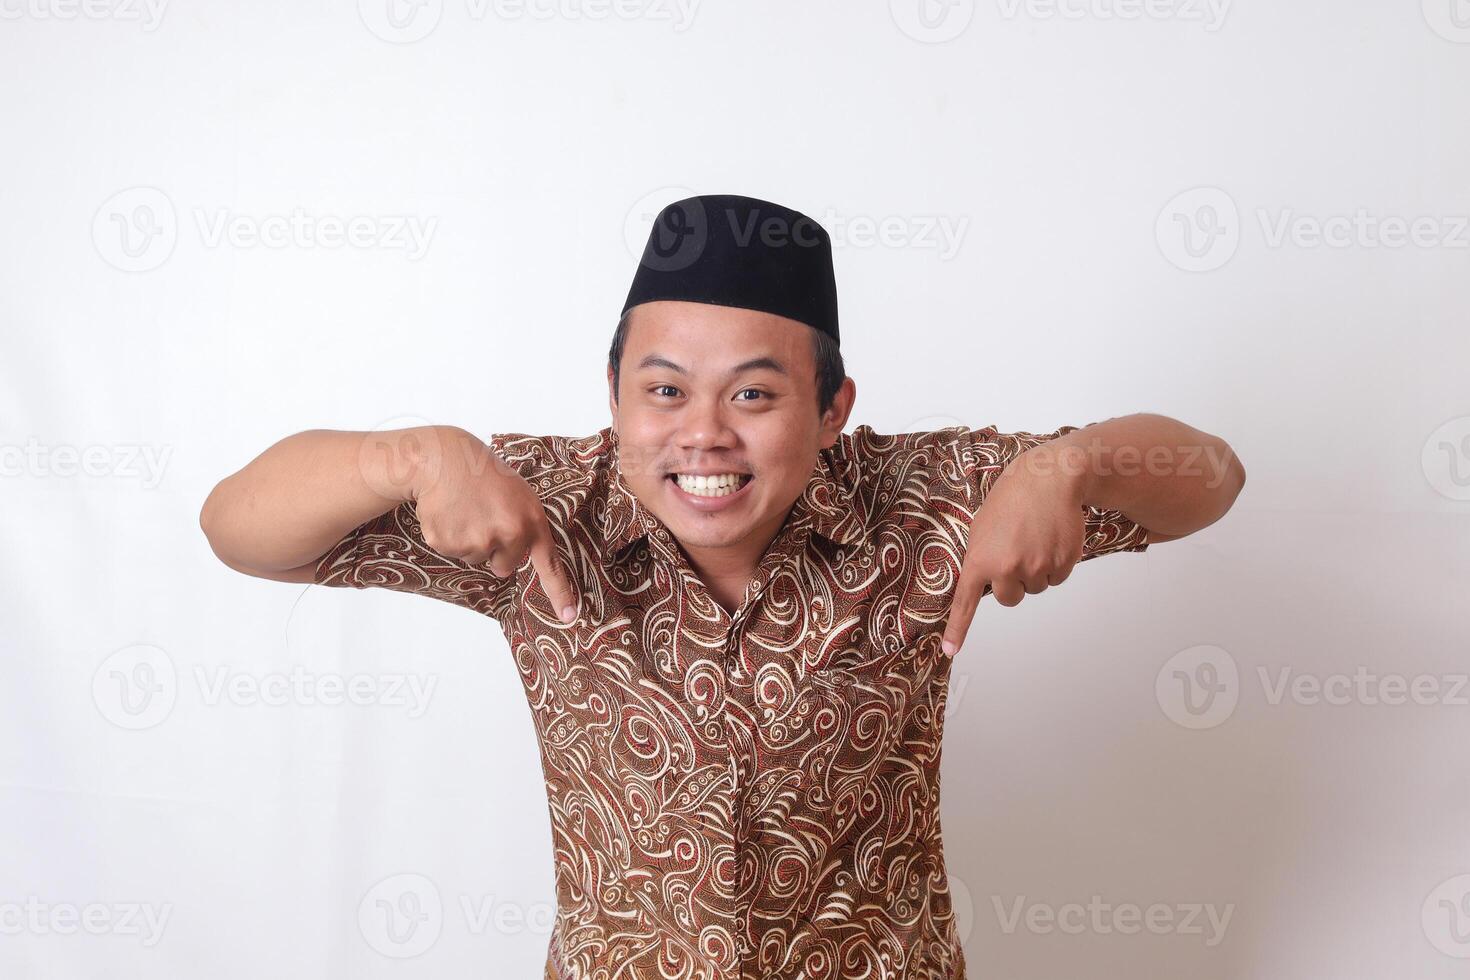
(660, 389)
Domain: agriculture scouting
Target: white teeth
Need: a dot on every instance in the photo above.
(720, 485)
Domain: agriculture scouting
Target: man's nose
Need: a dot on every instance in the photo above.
(704, 424)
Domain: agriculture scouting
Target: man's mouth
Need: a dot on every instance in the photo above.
(711, 485)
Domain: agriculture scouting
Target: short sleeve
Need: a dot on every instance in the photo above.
(981, 456)
(389, 552)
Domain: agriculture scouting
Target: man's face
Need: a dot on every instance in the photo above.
(713, 390)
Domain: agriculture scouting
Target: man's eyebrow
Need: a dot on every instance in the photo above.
(755, 363)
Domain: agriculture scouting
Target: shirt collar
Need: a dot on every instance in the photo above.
(829, 502)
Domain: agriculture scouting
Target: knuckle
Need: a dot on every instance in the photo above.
(499, 527)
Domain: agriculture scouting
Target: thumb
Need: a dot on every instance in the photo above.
(554, 582)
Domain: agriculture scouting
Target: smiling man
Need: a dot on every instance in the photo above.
(734, 622)
(718, 405)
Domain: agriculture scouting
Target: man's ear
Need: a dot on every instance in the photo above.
(834, 420)
(612, 401)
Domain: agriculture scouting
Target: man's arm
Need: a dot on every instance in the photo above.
(279, 514)
(1166, 477)
(1170, 478)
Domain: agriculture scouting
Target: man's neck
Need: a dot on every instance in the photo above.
(726, 572)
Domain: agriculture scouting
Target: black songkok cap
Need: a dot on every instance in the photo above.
(730, 250)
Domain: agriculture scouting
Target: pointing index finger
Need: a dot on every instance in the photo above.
(967, 593)
(554, 581)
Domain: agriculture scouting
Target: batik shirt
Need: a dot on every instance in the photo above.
(747, 795)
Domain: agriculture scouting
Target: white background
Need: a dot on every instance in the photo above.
(533, 143)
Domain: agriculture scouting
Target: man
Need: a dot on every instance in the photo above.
(734, 622)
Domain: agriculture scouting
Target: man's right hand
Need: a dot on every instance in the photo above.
(474, 507)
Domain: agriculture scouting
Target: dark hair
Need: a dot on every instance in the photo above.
(830, 370)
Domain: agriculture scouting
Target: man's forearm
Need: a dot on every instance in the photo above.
(295, 500)
(1167, 476)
